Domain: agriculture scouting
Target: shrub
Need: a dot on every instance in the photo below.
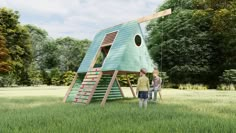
(46, 77)
(55, 76)
(164, 78)
(192, 87)
(35, 76)
(68, 77)
(124, 82)
(226, 87)
(228, 77)
(134, 78)
(7, 79)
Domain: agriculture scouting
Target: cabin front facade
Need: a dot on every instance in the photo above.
(117, 50)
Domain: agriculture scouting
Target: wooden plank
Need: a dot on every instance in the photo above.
(90, 80)
(92, 73)
(82, 97)
(109, 88)
(91, 76)
(120, 88)
(94, 88)
(95, 59)
(83, 93)
(96, 69)
(80, 100)
(86, 87)
(155, 15)
(88, 83)
(109, 38)
(130, 85)
(85, 90)
(147, 18)
(105, 45)
(70, 88)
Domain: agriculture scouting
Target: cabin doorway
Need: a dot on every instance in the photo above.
(105, 48)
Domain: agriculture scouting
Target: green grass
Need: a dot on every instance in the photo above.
(180, 111)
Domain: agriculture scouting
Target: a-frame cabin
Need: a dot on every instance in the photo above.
(120, 49)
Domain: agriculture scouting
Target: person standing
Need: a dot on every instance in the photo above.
(156, 83)
(143, 88)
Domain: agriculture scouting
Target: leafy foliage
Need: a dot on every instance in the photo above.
(229, 76)
(226, 87)
(192, 87)
(55, 76)
(124, 82)
(17, 43)
(164, 77)
(46, 77)
(8, 79)
(39, 39)
(31, 56)
(4, 56)
(71, 52)
(196, 42)
(68, 77)
(35, 75)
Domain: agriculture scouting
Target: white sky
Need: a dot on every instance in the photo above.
(79, 18)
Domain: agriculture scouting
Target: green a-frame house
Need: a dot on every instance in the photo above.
(120, 49)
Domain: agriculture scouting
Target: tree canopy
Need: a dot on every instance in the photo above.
(196, 43)
(28, 55)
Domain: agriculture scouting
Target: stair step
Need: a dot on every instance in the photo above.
(83, 93)
(96, 69)
(91, 76)
(86, 86)
(93, 73)
(88, 83)
(85, 90)
(91, 79)
(79, 100)
(81, 97)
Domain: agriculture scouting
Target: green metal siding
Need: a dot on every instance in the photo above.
(124, 55)
(102, 87)
(74, 90)
(94, 47)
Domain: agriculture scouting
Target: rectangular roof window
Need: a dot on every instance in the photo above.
(109, 38)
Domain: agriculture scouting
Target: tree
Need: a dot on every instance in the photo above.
(17, 42)
(39, 39)
(223, 30)
(50, 57)
(4, 56)
(72, 52)
(196, 42)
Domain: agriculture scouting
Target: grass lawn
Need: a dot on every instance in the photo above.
(40, 109)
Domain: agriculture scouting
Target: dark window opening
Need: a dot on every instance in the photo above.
(102, 56)
(138, 40)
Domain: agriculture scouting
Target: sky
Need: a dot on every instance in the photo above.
(79, 18)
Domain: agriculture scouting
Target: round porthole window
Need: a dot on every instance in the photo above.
(138, 40)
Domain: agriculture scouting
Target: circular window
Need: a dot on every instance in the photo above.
(138, 40)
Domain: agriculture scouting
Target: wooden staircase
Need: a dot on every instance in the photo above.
(88, 86)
